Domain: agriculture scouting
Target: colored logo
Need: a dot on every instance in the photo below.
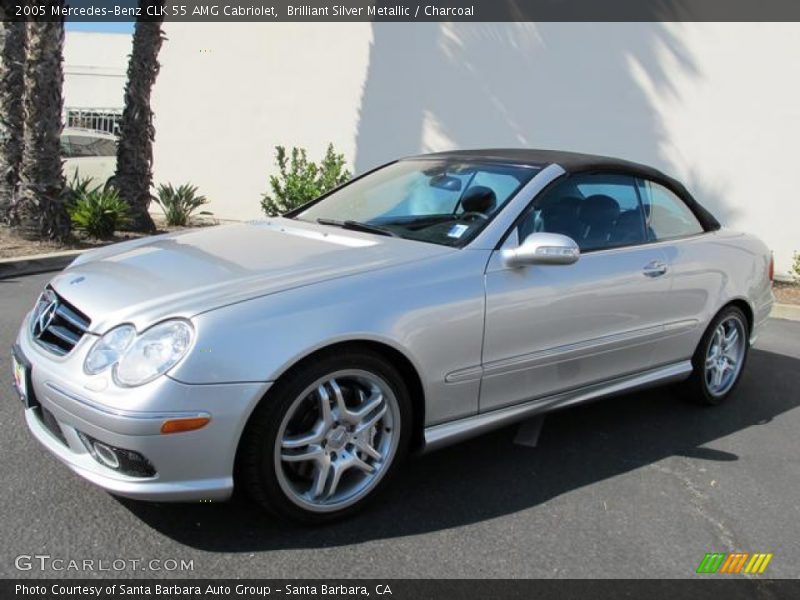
(735, 562)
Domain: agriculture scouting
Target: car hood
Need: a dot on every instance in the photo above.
(182, 274)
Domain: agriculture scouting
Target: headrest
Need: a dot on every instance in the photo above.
(599, 208)
(479, 199)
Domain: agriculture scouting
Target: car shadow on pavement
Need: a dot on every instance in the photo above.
(490, 476)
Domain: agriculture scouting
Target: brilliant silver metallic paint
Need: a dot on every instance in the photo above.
(461, 429)
(490, 343)
(542, 249)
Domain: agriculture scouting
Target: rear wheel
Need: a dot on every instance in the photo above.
(720, 358)
(326, 437)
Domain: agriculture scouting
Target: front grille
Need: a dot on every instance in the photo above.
(57, 325)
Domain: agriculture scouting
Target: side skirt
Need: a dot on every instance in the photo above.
(445, 434)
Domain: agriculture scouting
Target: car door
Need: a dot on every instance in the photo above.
(694, 280)
(551, 328)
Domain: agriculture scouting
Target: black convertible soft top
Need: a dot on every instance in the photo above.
(575, 162)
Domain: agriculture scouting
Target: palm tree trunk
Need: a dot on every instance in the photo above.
(134, 174)
(12, 81)
(39, 210)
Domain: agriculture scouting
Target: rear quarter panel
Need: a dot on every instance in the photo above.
(707, 272)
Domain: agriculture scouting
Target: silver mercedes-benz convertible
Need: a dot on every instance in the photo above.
(432, 299)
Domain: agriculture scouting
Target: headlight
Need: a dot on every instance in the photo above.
(137, 360)
(154, 352)
(108, 349)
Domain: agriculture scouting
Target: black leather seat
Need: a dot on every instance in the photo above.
(597, 213)
(629, 228)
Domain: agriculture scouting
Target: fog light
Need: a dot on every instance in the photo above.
(127, 462)
(105, 455)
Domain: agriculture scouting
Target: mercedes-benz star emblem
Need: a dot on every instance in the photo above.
(45, 314)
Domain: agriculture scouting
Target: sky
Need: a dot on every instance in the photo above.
(100, 27)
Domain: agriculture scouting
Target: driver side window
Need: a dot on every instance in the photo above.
(596, 210)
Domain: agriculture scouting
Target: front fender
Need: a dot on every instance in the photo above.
(431, 314)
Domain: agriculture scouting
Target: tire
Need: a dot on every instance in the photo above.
(300, 462)
(702, 387)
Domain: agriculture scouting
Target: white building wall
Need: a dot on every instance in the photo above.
(95, 68)
(227, 94)
(712, 104)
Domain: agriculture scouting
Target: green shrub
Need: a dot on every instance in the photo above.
(796, 266)
(300, 180)
(78, 187)
(100, 213)
(179, 203)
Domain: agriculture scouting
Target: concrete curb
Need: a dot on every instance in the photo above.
(21, 266)
(785, 311)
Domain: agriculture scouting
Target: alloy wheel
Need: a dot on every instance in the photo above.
(725, 356)
(337, 440)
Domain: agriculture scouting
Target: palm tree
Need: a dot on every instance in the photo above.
(12, 81)
(134, 174)
(39, 211)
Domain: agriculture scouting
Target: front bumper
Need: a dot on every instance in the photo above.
(192, 465)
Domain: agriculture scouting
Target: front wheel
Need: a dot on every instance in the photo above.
(326, 437)
(720, 358)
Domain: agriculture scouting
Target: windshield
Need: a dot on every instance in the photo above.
(437, 201)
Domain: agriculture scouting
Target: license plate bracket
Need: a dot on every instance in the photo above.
(22, 378)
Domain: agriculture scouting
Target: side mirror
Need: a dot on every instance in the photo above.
(543, 249)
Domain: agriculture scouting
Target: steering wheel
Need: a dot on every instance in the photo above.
(473, 216)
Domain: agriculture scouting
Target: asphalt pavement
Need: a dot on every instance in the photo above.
(637, 486)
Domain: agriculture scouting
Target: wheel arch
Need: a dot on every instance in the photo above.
(695, 386)
(408, 371)
(745, 307)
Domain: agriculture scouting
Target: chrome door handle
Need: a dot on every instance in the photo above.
(655, 268)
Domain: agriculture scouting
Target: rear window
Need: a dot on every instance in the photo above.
(666, 215)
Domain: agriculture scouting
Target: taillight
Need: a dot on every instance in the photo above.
(771, 268)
